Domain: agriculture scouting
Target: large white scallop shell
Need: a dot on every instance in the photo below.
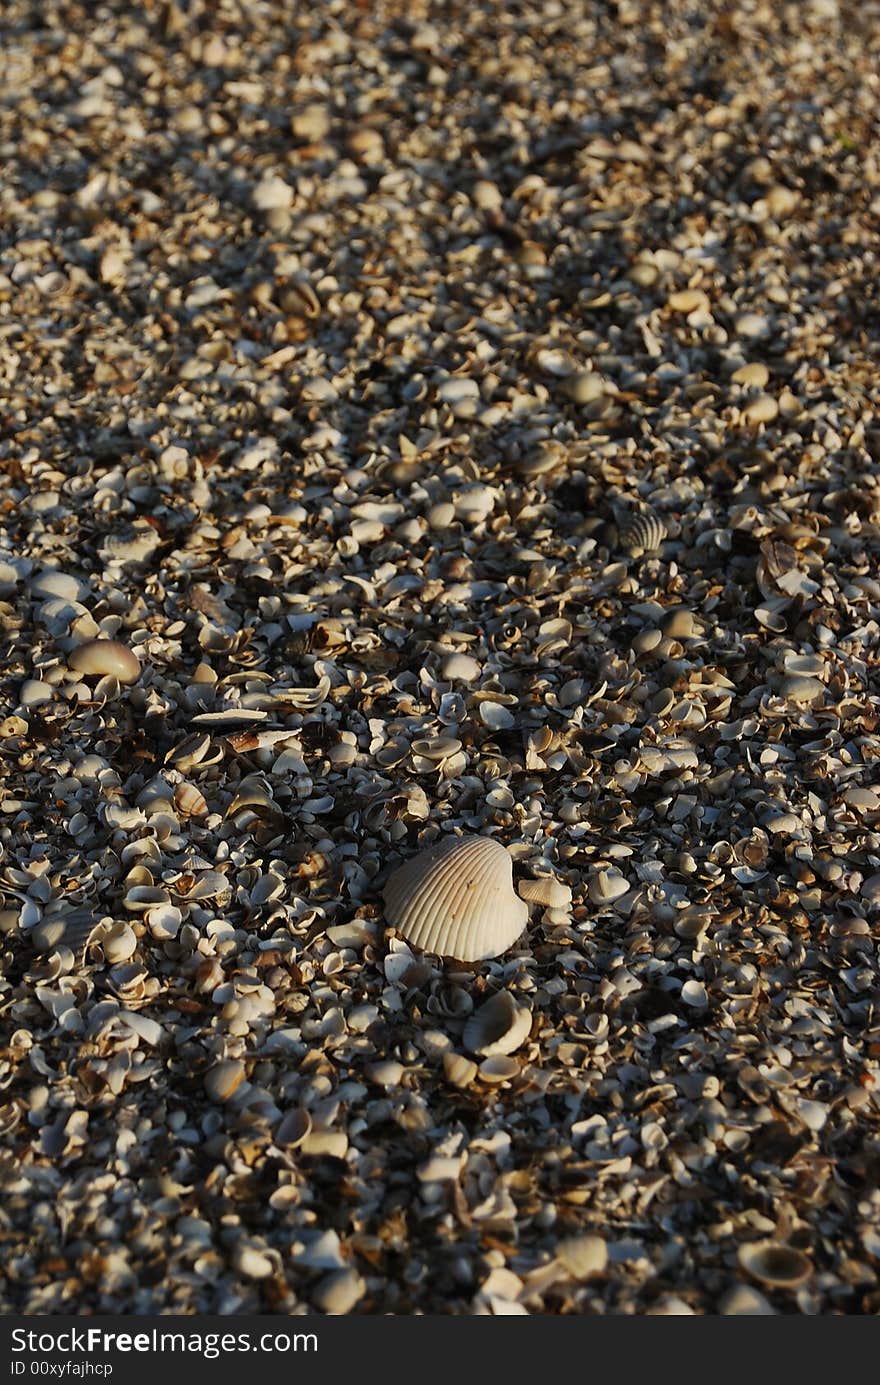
(457, 899)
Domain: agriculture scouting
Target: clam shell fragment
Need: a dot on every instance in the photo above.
(499, 1026)
(457, 899)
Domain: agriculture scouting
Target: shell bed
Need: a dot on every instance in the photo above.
(452, 420)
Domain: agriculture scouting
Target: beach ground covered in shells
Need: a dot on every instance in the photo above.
(464, 413)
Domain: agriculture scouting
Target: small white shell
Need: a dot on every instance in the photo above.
(499, 1026)
(606, 886)
(457, 899)
(119, 943)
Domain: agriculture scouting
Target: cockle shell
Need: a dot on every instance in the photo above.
(642, 534)
(547, 890)
(457, 899)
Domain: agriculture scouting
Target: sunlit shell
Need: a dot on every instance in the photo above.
(119, 943)
(583, 1256)
(499, 1026)
(642, 534)
(253, 792)
(190, 801)
(775, 1263)
(458, 1070)
(606, 886)
(457, 899)
(295, 1126)
(224, 1078)
(547, 891)
(101, 657)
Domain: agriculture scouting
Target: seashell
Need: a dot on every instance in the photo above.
(694, 994)
(332, 1143)
(102, 657)
(253, 792)
(144, 896)
(642, 534)
(743, 1301)
(163, 921)
(141, 897)
(499, 1026)
(496, 717)
(338, 1292)
(47, 935)
(763, 409)
(547, 891)
(436, 747)
(596, 1027)
(272, 194)
(223, 1080)
(119, 943)
(230, 716)
(584, 386)
(190, 801)
(546, 456)
(191, 752)
(688, 300)
(607, 885)
(386, 1073)
(755, 374)
(583, 1256)
(53, 582)
(460, 667)
(147, 1029)
(799, 688)
(775, 1263)
(498, 1068)
(679, 624)
(458, 1070)
(770, 619)
(300, 300)
(457, 899)
(294, 1128)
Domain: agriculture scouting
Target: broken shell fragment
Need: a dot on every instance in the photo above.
(457, 899)
(499, 1026)
(98, 658)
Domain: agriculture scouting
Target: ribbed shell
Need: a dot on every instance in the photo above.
(642, 534)
(457, 899)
